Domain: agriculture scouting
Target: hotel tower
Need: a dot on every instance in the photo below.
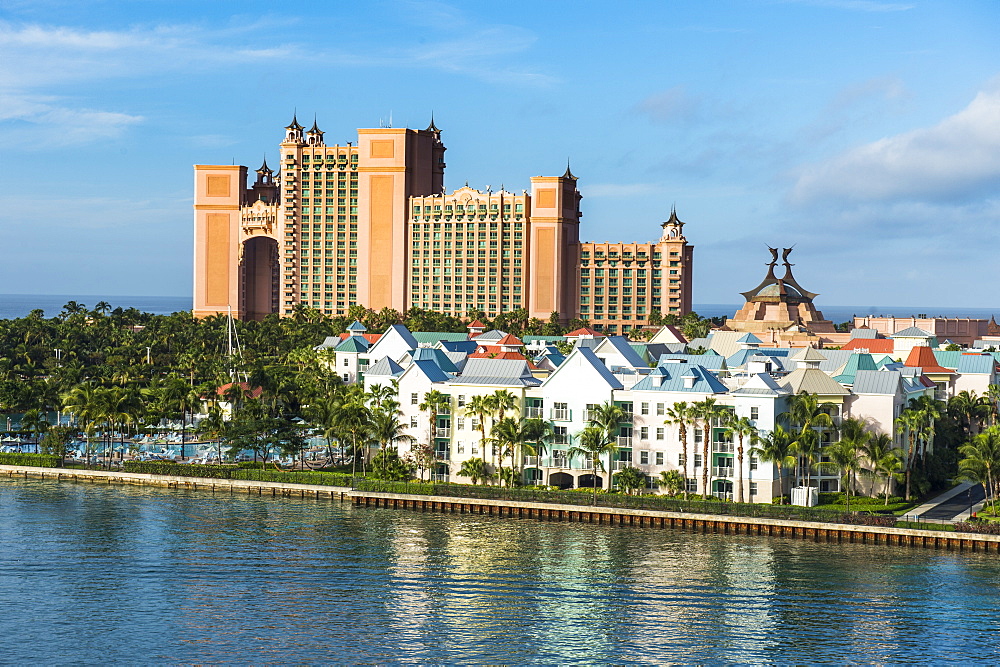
(370, 223)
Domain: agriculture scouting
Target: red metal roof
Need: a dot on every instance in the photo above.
(252, 393)
(874, 345)
(509, 339)
(922, 357)
(476, 325)
(585, 331)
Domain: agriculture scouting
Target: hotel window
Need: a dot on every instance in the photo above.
(659, 433)
(414, 399)
(644, 458)
(644, 433)
(660, 409)
(753, 463)
(697, 460)
(754, 413)
(659, 458)
(691, 485)
(413, 422)
(753, 489)
(644, 408)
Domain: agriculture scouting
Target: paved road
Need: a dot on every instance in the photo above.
(960, 504)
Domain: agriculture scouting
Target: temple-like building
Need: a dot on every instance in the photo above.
(782, 306)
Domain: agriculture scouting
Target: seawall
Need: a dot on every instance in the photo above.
(703, 523)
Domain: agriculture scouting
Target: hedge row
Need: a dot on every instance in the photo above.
(983, 527)
(36, 460)
(230, 472)
(646, 502)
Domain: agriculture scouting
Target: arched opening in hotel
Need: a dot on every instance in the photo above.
(563, 480)
(259, 273)
(589, 481)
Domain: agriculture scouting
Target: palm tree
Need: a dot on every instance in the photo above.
(608, 417)
(480, 407)
(993, 397)
(883, 459)
(910, 421)
(501, 401)
(83, 402)
(680, 414)
(970, 409)
(930, 412)
(807, 414)
(706, 410)
(353, 420)
(593, 443)
(981, 461)
(385, 427)
(476, 469)
(776, 447)
(536, 435)
(511, 436)
(435, 402)
(846, 454)
(34, 421)
(742, 428)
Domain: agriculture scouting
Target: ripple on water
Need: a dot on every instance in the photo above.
(121, 574)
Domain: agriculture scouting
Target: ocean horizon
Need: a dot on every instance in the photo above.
(19, 305)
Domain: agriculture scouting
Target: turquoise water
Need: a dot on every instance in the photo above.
(92, 574)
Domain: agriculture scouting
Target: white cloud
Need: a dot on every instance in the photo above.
(61, 125)
(669, 106)
(957, 157)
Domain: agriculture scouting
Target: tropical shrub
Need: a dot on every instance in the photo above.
(36, 460)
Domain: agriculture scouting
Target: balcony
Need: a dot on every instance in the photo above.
(723, 447)
(442, 432)
(722, 472)
(440, 478)
(723, 495)
(534, 412)
(620, 465)
(624, 441)
(560, 414)
(559, 462)
(532, 461)
(442, 455)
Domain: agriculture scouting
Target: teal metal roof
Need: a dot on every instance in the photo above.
(437, 336)
(670, 377)
(856, 362)
(354, 344)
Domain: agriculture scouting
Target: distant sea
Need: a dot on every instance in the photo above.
(838, 314)
(19, 305)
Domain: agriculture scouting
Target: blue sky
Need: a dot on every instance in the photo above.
(866, 133)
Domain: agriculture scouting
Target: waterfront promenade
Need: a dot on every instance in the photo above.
(617, 516)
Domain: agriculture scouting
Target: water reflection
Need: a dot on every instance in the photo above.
(127, 574)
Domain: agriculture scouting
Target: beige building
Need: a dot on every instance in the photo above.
(622, 284)
(371, 224)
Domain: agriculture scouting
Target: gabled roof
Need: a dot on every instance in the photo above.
(923, 357)
(668, 334)
(584, 357)
(489, 336)
(710, 361)
(873, 345)
(509, 339)
(621, 345)
(466, 346)
(813, 381)
(749, 339)
(354, 344)
(434, 356)
(475, 324)
(808, 354)
(329, 342)
(913, 332)
(497, 372)
(976, 364)
(742, 357)
(584, 331)
(864, 333)
(856, 362)
(438, 336)
(877, 382)
(397, 332)
(761, 384)
(671, 378)
(385, 366)
(356, 326)
(429, 370)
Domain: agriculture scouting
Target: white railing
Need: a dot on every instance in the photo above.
(442, 455)
(530, 460)
(588, 415)
(439, 478)
(443, 432)
(723, 495)
(560, 414)
(721, 472)
(534, 412)
(723, 447)
(624, 441)
(621, 465)
(559, 462)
